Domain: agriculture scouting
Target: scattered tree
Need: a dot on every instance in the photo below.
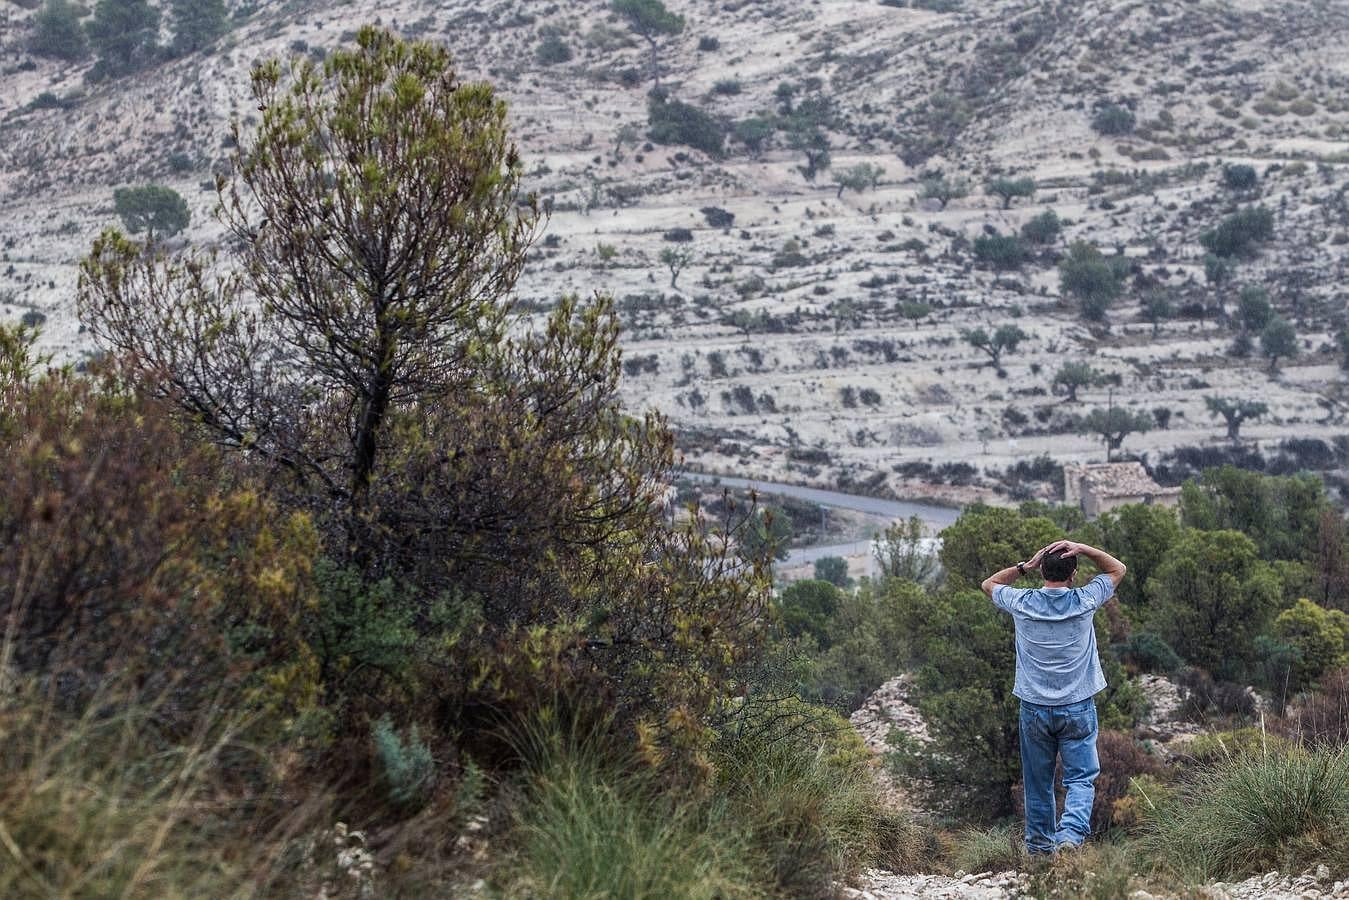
(1043, 229)
(1114, 424)
(1113, 119)
(553, 50)
(1000, 251)
(156, 210)
(1239, 233)
(944, 190)
(905, 550)
(859, 178)
(1254, 309)
(197, 23)
(674, 122)
(651, 21)
(1240, 177)
(1212, 595)
(1157, 308)
(1010, 188)
(833, 569)
(814, 143)
(123, 34)
(57, 32)
(754, 133)
(675, 260)
(1235, 412)
(1092, 279)
(1005, 338)
(1075, 375)
(1278, 341)
(1217, 272)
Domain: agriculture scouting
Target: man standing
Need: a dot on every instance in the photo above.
(1057, 675)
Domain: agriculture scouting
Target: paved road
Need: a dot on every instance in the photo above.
(937, 516)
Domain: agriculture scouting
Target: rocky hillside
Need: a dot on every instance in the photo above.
(816, 330)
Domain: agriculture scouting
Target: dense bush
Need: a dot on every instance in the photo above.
(124, 35)
(553, 50)
(1113, 119)
(1093, 279)
(1147, 652)
(1239, 176)
(1211, 594)
(1000, 251)
(1240, 233)
(1042, 229)
(57, 32)
(671, 121)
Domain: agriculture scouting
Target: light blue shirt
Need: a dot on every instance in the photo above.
(1056, 661)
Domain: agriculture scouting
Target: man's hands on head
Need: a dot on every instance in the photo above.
(1103, 561)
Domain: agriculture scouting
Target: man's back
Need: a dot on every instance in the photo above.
(1056, 658)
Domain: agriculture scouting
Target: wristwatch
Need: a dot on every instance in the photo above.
(1021, 567)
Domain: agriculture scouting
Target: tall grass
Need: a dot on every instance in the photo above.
(789, 816)
(592, 825)
(1255, 811)
(97, 801)
(90, 805)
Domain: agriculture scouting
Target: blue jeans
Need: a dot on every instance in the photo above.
(1048, 732)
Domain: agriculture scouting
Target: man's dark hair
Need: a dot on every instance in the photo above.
(1055, 567)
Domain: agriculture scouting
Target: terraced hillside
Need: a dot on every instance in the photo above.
(809, 320)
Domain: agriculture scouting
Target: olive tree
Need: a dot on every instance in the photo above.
(1278, 340)
(1004, 339)
(859, 178)
(944, 190)
(1010, 188)
(1073, 376)
(1114, 424)
(1235, 412)
(675, 261)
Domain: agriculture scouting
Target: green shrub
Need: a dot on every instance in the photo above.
(1283, 809)
(552, 50)
(1148, 653)
(588, 830)
(809, 806)
(1240, 177)
(995, 849)
(1000, 251)
(1239, 233)
(808, 606)
(1043, 229)
(57, 32)
(407, 766)
(671, 121)
(1113, 119)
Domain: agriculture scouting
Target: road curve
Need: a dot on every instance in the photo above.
(936, 516)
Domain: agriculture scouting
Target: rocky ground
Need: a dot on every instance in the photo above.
(818, 336)
(892, 707)
(1310, 885)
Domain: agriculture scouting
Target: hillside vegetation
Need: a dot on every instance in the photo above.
(828, 201)
(339, 539)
